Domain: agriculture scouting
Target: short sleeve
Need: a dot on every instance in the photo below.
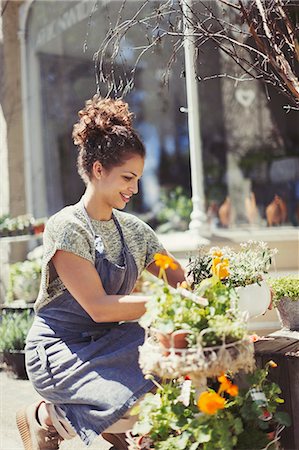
(153, 245)
(74, 239)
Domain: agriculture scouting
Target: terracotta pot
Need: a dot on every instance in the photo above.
(176, 340)
(254, 298)
(39, 228)
(288, 313)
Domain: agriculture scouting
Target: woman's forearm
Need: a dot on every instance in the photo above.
(117, 308)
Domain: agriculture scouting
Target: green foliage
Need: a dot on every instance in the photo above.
(14, 328)
(169, 311)
(176, 208)
(24, 280)
(284, 287)
(172, 420)
(210, 323)
(200, 268)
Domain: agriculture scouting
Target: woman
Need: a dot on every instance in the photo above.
(82, 350)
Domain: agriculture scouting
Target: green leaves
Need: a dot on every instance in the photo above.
(14, 328)
(284, 287)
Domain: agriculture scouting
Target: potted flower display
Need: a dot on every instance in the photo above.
(221, 416)
(286, 300)
(243, 270)
(24, 280)
(14, 328)
(196, 333)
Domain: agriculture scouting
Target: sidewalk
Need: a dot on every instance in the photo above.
(13, 395)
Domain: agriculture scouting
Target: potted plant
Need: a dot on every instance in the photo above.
(243, 270)
(14, 328)
(221, 416)
(39, 225)
(193, 332)
(286, 300)
(24, 280)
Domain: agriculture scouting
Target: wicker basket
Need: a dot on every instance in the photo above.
(199, 363)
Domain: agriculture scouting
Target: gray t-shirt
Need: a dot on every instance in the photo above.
(69, 230)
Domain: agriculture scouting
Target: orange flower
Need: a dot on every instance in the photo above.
(220, 267)
(217, 252)
(272, 364)
(210, 402)
(227, 386)
(233, 390)
(164, 261)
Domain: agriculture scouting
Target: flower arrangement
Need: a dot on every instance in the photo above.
(223, 416)
(198, 332)
(199, 407)
(242, 268)
(205, 314)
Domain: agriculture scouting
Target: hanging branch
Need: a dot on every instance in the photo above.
(260, 37)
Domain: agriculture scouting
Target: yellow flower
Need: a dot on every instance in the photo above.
(272, 364)
(164, 261)
(210, 402)
(217, 252)
(220, 267)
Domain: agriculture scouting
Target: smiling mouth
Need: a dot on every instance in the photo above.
(126, 198)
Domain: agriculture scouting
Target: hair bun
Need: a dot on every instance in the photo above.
(101, 115)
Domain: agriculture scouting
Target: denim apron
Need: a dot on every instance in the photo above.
(90, 370)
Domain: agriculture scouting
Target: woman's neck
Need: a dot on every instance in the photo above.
(94, 205)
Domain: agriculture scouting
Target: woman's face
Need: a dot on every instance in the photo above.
(117, 185)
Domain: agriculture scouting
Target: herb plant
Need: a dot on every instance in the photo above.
(284, 287)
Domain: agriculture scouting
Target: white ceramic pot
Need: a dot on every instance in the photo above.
(254, 298)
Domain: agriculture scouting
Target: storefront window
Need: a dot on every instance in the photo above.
(250, 145)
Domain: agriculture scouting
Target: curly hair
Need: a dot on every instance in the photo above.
(104, 133)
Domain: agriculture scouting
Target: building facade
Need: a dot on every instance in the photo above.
(250, 146)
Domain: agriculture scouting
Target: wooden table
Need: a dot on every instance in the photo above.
(283, 348)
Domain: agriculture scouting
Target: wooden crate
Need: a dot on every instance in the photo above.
(284, 350)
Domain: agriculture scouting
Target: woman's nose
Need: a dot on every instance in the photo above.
(134, 187)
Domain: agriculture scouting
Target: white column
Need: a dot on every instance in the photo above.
(198, 216)
(23, 13)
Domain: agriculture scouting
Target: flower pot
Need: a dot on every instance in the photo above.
(15, 363)
(288, 313)
(39, 228)
(176, 340)
(254, 298)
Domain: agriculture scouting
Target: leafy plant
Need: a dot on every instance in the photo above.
(24, 280)
(207, 312)
(14, 328)
(284, 287)
(223, 416)
(175, 209)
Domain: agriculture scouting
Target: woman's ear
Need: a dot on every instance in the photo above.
(97, 170)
